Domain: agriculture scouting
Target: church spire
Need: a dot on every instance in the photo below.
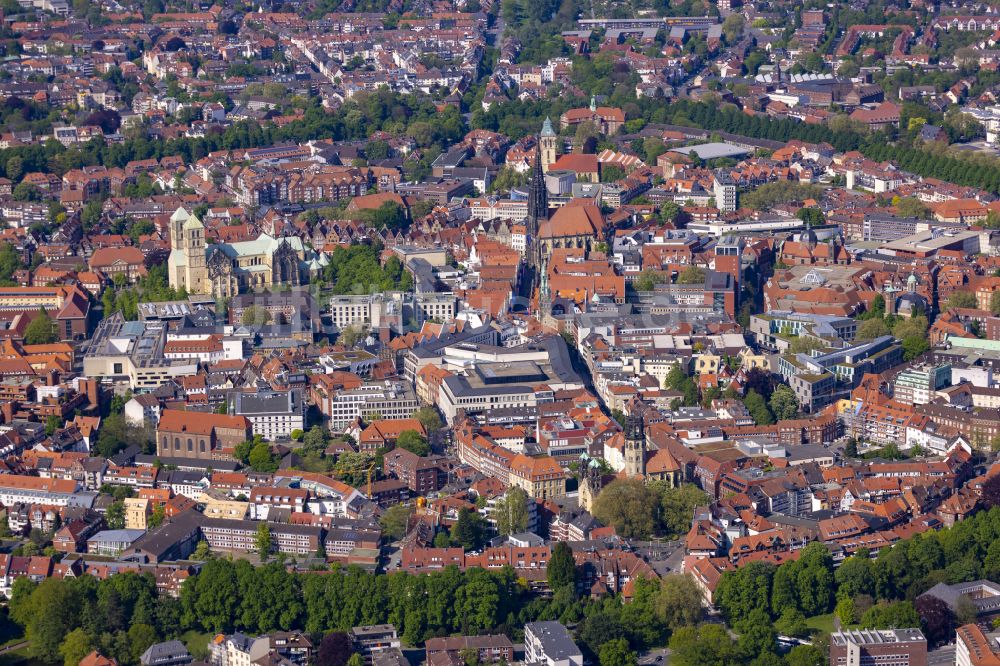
(538, 198)
(538, 211)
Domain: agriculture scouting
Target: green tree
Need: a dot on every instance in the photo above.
(912, 327)
(262, 459)
(52, 615)
(617, 653)
(350, 336)
(390, 215)
(208, 600)
(91, 214)
(811, 216)
(255, 316)
(678, 602)
(15, 168)
(511, 511)
(652, 148)
(805, 655)
(41, 330)
(995, 303)
(26, 192)
(115, 515)
(10, 261)
(769, 195)
(732, 27)
(394, 521)
(201, 552)
(52, 423)
(140, 637)
(783, 403)
(757, 635)
(315, 439)
(648, 279)
(757, 407)
(691, 275)
(669, 210)
(815, 580)
(629, 506)
(870, 329)
(156, 518)
(429, 418)
(886, 615)
(263, 540)
(742, 591)
(914, 346)
(962, 299)
(803, 344)
(612, 173)
(469, 531)
(377, 150)
(413, 442)
(507, 178)
(242, 451)
(854, 576)
(677, 507)
(703, 645)
(846, 611)
(791, 623)
(561, 569)
(912, 207)
(677, 380)
(353, 467)
(74, 647)
(598, 628)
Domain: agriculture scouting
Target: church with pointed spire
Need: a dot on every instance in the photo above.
(538, 212)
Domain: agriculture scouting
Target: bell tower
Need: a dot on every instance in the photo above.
(548, 143)
(635, 447)
(590, 485)
(194, 250)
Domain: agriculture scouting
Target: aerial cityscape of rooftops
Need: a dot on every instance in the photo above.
(500, 333)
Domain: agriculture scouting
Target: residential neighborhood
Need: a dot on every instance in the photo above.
(467, 332)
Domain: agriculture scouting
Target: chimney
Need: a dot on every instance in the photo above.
(52, 377)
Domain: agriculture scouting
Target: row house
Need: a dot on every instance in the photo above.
(135, 477)
(256, 188)
(485, 456)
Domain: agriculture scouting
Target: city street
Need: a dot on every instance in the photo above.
(657, 657)
(665, 557)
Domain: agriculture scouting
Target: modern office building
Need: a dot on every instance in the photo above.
(874, 647)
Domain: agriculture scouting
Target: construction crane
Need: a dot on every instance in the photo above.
(356, 470)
